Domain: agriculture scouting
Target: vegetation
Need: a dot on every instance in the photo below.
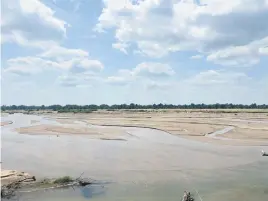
(9, 190)
(132, 106)
(63, 180)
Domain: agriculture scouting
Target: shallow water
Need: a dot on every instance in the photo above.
(150, 165)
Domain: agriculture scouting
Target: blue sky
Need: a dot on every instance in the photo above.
(141, 51)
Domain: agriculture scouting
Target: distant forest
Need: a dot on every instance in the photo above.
(90, 108)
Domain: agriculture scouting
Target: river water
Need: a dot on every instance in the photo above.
(150, 165)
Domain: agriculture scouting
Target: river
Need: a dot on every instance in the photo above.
(149, 165)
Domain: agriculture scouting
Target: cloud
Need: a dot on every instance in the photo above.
(29, 65)
(30, 23)
(84, 65)
(142, 71)
(160, 27)
(235, 56)
(57, 58)
(215, 78)
(61, 53)
(240, 56)
(121, 46)
(153, 69)
(263, 51)
(150, 49)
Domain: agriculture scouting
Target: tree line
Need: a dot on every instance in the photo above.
(131, 106)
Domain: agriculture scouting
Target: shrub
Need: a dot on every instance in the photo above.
(63, 180)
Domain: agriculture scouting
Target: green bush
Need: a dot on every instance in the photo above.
(63, 180)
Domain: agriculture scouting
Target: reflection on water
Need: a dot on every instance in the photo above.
(152, 166)
(92, 191)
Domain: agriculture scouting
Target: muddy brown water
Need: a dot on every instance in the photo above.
(150, 165)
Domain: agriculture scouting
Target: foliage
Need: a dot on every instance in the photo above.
(132, 106)
(63, 180)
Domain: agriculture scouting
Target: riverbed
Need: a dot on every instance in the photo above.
(148, 165)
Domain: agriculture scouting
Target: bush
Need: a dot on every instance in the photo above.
(63, 180)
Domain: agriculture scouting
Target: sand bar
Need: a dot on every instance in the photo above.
(92, 132)
(248, 126)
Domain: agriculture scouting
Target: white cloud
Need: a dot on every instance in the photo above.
(29, 65)
(142, 72)
(61, 53)
(121, 46)
(264, 51)
(158, 27)
(235, 56)
(76, 60)
(57, 58)
(153, 69)
(82, 65)
(214, 78)
(30, 23)
(151, 49)
(240, 56)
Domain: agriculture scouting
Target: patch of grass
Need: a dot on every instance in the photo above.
(63, 180)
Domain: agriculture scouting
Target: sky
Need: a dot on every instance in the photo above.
(134, 51)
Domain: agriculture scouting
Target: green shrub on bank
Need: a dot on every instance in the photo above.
(63, 180)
